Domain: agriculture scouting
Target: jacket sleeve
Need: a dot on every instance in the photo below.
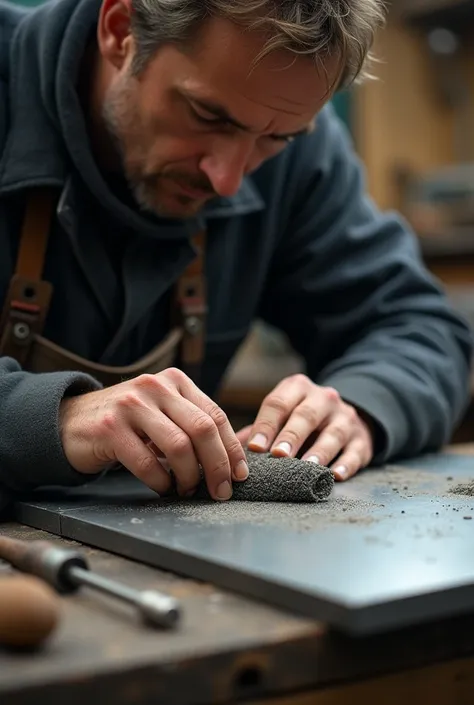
(349, 289)
(31, 454)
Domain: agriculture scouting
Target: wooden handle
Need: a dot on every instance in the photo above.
(29, 611)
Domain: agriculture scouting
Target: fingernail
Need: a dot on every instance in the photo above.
(241, 470)
(342, 472)
(313, 459)
(259, 441)
(283, 448)
(224, 491)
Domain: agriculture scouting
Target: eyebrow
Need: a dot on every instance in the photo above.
(220, 112)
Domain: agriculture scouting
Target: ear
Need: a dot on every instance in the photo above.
(114, 31)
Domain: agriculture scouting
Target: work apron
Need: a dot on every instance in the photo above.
(28, 300)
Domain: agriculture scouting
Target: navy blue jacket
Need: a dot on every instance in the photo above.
(300, 246)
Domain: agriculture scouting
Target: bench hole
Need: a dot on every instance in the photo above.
(249, 678)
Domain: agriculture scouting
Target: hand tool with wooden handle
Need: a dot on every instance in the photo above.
(67, 570)
(29, 611)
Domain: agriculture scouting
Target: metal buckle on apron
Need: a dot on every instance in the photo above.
(23, 317)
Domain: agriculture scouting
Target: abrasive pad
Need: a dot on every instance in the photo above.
(280, 480)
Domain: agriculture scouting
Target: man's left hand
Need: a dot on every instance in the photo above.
(301, 416)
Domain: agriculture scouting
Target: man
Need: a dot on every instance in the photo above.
(157, 120)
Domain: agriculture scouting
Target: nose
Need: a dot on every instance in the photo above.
(227, 163)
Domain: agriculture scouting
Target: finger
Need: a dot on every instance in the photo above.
(154, 448)
(331, 441)
(355, 457)
(134, 455)
(160, 456)
(232, 445)
(275, 412)
(243, 435)
(176, 446)
(201, 433)
(307, 418)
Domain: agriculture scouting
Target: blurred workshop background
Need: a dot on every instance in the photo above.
(414, 130)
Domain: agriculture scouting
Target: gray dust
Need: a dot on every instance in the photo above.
(297, 495)
(464, 489)
(297, 517)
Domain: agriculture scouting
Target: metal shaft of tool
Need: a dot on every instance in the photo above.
(154, 607)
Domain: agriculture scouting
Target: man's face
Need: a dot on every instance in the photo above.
(194, 123)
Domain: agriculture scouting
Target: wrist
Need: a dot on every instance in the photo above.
(374, 429)
(72, 433)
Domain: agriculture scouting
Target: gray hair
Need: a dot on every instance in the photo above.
(316, 28)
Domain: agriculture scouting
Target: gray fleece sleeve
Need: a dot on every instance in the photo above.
(349, 288)
(31, 454)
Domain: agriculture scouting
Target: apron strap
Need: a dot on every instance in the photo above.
(191, 304)
(35, 234)
(29, 297)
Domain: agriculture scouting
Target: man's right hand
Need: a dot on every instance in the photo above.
(166, 412)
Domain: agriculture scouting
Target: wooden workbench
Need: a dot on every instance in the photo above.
(228, 650)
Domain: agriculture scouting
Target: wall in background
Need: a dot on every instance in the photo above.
(343, 105)
(401, 122)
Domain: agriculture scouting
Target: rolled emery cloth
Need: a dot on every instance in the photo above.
(280, 480)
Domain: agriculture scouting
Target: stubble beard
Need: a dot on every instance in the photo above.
(120, 122)
(123, 126)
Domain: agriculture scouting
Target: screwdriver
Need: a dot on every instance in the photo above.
(30, 611)
(67, 570)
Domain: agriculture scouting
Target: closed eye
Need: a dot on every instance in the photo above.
(207, 120)
(219, 121)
